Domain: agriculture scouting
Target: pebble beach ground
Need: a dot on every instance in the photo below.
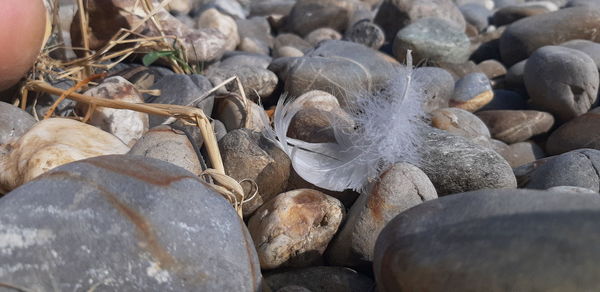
(364, 145)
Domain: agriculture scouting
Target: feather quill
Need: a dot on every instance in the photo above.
(385, 131)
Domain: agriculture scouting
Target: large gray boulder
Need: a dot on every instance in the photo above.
(123, 223)
(493, 240)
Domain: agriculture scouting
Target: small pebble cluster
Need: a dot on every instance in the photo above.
(504, 196)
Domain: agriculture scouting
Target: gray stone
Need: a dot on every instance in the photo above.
(509, 14)
(326, 279)
(308, 15)
(394, 15)
(15, 122)
(470, 86)
(583, 3)
(366, 33)
(487, 4)
(455, 165)
(294, 228)
(257, 83)
(523, 37)
(577, 168)
(239, 58)
(568, 94)
(255, 32)
(578, 133)
(399, 188)
(271, 7)
(235, 114)
(432, 39)
(249, 155)
(235, 8)
(123, 223)
(343, 69)
(438, 86)
(512, 126)
(476, 14)
(515, 76)
(171, 145)
(45, 101)
(472, 92)
(493, 240)
(592, 49)
(181, 90)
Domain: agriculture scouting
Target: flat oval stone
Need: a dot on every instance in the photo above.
(15, 122)
(575, 134)
(568, 94)
(509, 14)
(525, 36)
(493, 240)
(521, 153)
(460, 122)
(433, 39)
(294, 228)
(455, 164)
(399, 188)
(308, 15)
(512, 126)
(123, 223)
(577, 168)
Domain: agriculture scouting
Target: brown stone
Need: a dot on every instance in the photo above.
(401, 187)
(581, 132)
(512, 126)
(294, 228)
(460, 122)
(521, 153)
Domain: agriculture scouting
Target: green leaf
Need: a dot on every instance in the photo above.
(151, 57)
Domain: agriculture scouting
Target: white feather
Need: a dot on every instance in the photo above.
(386, 131)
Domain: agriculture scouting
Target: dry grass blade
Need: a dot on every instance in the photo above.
(227, 186)
(13, 287)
